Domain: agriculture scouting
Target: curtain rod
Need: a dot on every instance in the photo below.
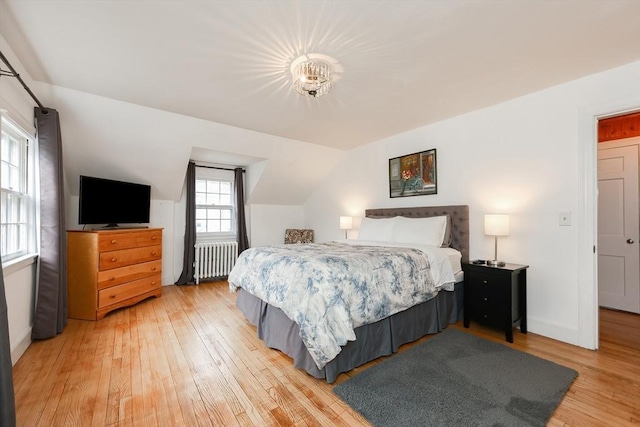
(13, 73)
(219, 168)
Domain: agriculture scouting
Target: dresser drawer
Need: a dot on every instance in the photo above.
(115, 241)
(120, 275)
(118, 293)
(116, 259)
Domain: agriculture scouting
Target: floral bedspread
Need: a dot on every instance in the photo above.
(329, 289)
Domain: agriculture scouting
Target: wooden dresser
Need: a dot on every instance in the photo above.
(110, 269)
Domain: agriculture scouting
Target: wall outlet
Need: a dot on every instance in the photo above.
(564, 218)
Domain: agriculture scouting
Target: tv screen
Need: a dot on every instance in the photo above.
(105, 201)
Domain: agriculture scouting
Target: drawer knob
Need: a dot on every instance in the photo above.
(485, 298)
(153, 283)
(113, 242)
(114, 259)
(112, 296)
(485, 316)
(112, 278)
(154, 237)
(154, 253)
(484, 281)
(153, 269)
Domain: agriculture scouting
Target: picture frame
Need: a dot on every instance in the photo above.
(413, 174)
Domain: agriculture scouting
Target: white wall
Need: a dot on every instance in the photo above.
(269, 222)
(20, 288)
(19, 281)
(520, 157)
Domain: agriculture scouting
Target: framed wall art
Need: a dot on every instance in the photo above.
(413, 175)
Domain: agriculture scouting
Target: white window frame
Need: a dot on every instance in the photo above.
(206, 174)
(26, 191)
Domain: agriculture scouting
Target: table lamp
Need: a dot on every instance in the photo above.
(496, 225)
(346, 224)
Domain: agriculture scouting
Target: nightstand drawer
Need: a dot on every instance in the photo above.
(488, 317)
(487, 303)
(484, 279)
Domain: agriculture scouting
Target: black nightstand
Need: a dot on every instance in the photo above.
(496, 296)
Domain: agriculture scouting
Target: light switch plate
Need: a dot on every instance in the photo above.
(564, 218)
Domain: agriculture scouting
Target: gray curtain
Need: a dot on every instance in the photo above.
(186, 278)
(50, 315)
(7, 397)
(238, 190)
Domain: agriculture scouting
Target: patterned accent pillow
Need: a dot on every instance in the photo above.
(298, 235)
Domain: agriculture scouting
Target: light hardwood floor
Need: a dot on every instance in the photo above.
(190, 358)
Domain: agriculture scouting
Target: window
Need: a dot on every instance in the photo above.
(215, 212)
(17, 224)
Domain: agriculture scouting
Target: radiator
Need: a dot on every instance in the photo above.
(214, 259)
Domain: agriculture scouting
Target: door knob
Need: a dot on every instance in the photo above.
(630, 241)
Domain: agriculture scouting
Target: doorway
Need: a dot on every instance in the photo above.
(618, 206)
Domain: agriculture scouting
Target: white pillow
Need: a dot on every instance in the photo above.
(424, 231)
(378, 229)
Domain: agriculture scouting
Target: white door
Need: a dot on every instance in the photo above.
(618, 229)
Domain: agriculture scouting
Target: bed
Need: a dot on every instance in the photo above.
(439, 304)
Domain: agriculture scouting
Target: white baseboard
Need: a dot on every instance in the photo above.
(18, 350)
(553, 330)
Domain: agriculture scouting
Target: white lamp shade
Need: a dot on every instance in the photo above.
(496, 224)
(346, 223)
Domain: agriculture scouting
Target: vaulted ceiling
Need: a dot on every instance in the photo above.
(406, 63)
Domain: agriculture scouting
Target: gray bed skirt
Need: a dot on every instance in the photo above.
(378, 339)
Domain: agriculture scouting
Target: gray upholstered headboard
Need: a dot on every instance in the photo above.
(459, 221)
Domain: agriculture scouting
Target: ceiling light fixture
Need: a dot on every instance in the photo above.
(313, 75)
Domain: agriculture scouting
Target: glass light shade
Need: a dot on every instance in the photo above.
(312, 78)
(346, 223)
(496, 224)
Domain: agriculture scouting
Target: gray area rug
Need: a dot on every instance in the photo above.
(457, 379)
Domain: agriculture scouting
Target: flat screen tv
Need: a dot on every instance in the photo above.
(105, 201)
